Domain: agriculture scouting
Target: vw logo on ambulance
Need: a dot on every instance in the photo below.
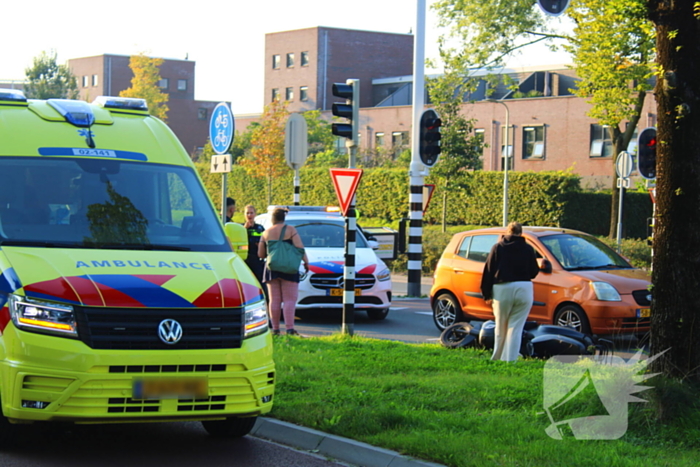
(170, 331)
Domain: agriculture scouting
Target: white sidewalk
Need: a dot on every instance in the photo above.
(399, 285)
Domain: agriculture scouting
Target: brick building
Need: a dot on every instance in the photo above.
(302, 65)
(548, 131)
(107, 75)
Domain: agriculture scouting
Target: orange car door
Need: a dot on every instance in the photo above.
(467, 279)
(542, 289)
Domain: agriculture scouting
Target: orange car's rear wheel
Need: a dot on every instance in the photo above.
(446, 311)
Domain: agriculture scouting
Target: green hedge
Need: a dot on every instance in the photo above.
(473, 198)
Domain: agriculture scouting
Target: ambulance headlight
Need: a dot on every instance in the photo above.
(42, 316)
(255, 320)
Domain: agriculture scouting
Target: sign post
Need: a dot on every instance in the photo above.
(345, 182)
(296, 148)
(623, 166)
(221, 128)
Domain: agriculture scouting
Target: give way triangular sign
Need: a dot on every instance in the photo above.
(345, 182)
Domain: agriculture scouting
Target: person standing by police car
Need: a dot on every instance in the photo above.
(506, 284)
(255, 231)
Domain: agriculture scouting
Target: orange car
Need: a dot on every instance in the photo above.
(582, 283)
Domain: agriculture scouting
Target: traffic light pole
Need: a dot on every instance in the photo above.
(417, 170)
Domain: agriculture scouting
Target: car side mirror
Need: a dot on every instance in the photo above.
(373, 244)
(238, 238)
(544, 265)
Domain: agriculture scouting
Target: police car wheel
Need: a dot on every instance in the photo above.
(377, 315)
(232, 427)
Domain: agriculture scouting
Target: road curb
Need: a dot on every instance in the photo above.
(336, 447)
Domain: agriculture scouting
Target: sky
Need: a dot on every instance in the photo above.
(226, 38)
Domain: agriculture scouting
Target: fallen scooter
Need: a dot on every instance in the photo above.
(539, 340)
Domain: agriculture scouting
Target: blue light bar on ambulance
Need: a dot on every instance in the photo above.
(12, 95)
(77, 113)
(123, 103)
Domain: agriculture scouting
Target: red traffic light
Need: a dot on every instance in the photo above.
(646, 153)
(429, 145)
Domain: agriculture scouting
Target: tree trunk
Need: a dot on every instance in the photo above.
(675, 321)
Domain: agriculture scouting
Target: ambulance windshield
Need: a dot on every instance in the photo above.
(100, 203)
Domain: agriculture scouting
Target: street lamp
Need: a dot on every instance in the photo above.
(505, 165)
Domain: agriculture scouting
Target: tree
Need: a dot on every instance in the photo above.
(47, 79)
(266, 159)
(460, 146)
(144, 84)
(611, 45)
(675, 270)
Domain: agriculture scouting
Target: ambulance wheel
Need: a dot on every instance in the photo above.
(232, 427)
(7, 431)
(377, 315)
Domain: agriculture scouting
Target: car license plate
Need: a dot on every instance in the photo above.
(340, 292)
(643, 312)
(170, 388)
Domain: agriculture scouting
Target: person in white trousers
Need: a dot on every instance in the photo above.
(506, 286)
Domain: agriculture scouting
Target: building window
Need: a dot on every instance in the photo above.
(510, 147)
(202, 113)
(275, 94)
(289, 94)
(275, 62)
(290, 60)
(340, 147)
(399, 141)
(182, 85)
(305, 59)
(163, 83)
(601, 141)
(533, 142)
(378, 140)
(95, 80)
(304, 93)
(479, 138)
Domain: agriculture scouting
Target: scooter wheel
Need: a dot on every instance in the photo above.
(457, 336)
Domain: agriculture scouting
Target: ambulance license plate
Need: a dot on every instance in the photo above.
(170, 388)
(643, 312)
(340, 292)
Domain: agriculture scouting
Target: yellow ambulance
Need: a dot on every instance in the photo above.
(121, 297)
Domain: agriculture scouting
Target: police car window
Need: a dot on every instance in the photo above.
(324, 235)
(481, 246)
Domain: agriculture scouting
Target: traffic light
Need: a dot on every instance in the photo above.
(350, 91)
(553, 7)
(429, 147)
(646, 153)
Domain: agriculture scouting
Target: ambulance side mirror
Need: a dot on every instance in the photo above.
(238, 238)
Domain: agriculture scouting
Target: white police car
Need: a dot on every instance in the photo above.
(322, 230)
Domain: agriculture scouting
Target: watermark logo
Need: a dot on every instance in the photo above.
(586, 396)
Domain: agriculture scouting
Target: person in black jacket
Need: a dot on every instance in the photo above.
(255, 231)
(506, 286)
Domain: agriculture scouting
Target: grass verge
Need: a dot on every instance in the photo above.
(458, 408)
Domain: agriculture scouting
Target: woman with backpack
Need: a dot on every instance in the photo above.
(282, 287)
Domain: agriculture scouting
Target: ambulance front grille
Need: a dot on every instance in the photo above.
(137, 328)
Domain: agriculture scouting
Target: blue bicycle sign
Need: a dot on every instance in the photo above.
(221, 128)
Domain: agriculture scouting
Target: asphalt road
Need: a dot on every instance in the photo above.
(151, 444)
